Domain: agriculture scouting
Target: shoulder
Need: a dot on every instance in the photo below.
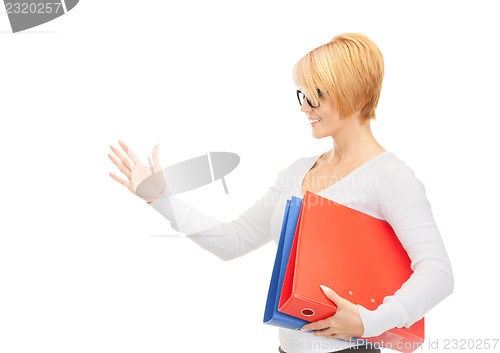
(401, 185)
(399, 172)
(290, 174)
(298, 165)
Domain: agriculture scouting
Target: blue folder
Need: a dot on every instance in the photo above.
(271, 314)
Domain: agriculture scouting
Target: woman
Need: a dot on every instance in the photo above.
(340, 85)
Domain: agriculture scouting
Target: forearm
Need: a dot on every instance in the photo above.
(405, 206)
(429, 284)
(227, 240)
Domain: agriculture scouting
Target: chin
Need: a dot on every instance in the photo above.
(318, 136)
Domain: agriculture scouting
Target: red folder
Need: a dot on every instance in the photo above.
(359, 256)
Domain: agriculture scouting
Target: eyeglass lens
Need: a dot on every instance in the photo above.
(301, 96)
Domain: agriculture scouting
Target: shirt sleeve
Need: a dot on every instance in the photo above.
(405, 206)
(227, 240)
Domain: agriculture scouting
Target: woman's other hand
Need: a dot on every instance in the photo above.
(345, 323)
(137, 172)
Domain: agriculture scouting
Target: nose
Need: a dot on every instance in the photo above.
(305, 108)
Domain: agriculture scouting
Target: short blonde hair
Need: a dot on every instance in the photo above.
(350, 67)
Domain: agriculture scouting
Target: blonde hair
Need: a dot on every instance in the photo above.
(350, 67)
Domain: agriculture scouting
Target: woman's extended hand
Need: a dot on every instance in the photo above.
(345, 323)
(136, 172)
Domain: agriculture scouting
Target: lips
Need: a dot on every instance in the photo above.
(313, 122)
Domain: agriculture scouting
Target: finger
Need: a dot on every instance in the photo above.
(124, 159)
(120, 166)
(317, 325)
(130, 153)
(332, 295)
(338, 336)
(325, 333)
(156, 157)
(120, 180)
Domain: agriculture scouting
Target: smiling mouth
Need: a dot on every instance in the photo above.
(313, 122)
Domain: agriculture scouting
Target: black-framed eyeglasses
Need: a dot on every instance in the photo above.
(301, 95)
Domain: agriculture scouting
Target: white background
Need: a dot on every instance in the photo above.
(79, 271)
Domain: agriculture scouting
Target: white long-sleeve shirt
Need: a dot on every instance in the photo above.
(385, 188)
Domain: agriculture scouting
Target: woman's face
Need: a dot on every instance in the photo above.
(329, 118)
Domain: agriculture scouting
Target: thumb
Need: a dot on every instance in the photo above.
(159, 174)
(156, 157)
(332, 295)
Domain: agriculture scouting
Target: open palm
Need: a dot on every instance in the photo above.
(152, 179)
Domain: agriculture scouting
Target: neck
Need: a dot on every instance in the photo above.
(353, 142)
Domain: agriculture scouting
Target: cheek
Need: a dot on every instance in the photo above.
(329, 114)
(325, 115)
